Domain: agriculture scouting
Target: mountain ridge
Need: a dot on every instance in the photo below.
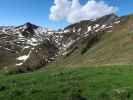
(31, 47)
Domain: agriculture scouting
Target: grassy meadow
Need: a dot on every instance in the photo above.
(108, 82)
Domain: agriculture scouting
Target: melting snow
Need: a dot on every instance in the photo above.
(19, 64)
(79, 29)
(103, 26)
(50, 33)
(117, 22)
(66, 31)
(64, 53)
(23, 58)
(74, 30)
(69, 44)
(26, 47)
(32, 42)
(109, 26)
(20, 35)
(97, 25)
(89, 28)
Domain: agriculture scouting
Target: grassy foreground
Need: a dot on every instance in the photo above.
(61, 83)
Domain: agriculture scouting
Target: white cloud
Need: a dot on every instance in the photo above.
(73, 11)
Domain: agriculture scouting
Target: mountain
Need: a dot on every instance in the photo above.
(88, 60)
(108, 41)
(27, 46)
(105, 40)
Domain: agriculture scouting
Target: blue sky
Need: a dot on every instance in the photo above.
(17, 12)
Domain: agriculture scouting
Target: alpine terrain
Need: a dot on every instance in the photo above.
(88, 60)
(28, 47)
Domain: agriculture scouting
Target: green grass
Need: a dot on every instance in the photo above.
(113, 82)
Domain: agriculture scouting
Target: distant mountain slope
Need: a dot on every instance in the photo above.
(111, 44)
(26, 47)
(106, 40)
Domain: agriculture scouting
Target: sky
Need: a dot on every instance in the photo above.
(53, 14)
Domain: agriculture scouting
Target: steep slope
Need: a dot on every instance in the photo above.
(111, 44)
(106, 40)
(29, 46)
(25, 47)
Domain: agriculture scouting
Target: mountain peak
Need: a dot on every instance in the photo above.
(30, 25)
(112, 15)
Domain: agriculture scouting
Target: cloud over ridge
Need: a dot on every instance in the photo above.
(72, 11)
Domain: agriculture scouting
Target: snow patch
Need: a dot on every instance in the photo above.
(117, 22)
(97, 25)
(69, 44)
(79, 30)
(109, 26)
(32, 42)
(103, 26)
(23, 58)
(19, 64)
(66, 31)
(26, 47)
(89, 28)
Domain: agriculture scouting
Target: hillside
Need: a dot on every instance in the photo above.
(89, 60)
(113, 47)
